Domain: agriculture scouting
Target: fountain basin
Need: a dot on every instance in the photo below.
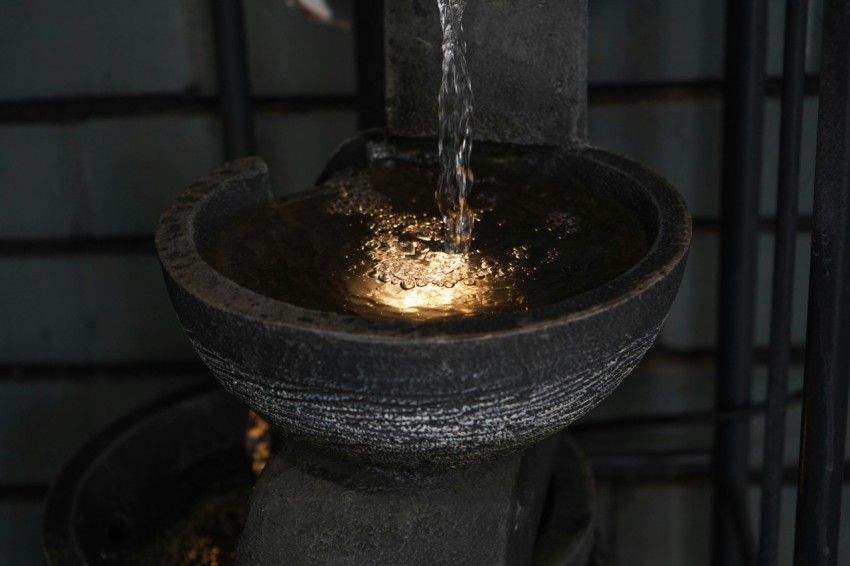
(436, 393)
(118, 499)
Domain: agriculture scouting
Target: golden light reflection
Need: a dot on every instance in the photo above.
(425, 302)
(203, 552)
(258, 441)
(429, 297)
(402, 271)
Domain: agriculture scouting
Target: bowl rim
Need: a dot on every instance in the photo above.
(182, 261)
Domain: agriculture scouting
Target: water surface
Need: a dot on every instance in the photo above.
(371, 244)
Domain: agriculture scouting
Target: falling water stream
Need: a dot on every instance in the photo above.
(455, 115)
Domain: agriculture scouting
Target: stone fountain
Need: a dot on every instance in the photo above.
(434, 442)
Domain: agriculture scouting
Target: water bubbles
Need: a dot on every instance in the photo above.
(406, 259)
(356, 197)
(371, 243)
(563, 224)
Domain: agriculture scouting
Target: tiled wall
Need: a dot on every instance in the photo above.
(101, 315)
(74, 320)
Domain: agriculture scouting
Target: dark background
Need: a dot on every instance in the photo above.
(108, 111)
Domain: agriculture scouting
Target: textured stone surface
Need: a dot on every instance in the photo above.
(133, 480)
(437, 393)
(308, 508)
(527, 61)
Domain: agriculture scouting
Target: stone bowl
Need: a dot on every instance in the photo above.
(434, 393)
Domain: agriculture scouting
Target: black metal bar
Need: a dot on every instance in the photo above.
(66, 110)
(650, 465)
(827, 374)
(766, 224)
(683, 90)
(743, 529)
(689, 418)
(791, 128)
(746, 32)
(23, 492)
(82, 372)
(234, 79)
(688, 465)
(369, 45)
(52, 110)
(143, 243)
(661, 350)
(79, 245)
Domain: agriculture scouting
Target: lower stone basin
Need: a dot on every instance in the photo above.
(170, 484)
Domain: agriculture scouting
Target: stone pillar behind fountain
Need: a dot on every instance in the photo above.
(309, 507)
(527, 60)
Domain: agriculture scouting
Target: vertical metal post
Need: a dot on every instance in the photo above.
(746, 31)
(233, 79)
(794, 72)
(369, 44)
(827, 378)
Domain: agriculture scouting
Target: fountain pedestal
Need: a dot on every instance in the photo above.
(313, 508)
